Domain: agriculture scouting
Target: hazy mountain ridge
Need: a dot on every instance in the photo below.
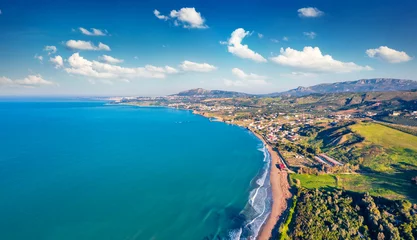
(211, 93)
(362, 85)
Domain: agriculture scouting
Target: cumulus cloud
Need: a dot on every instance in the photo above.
(311, 35)
(189, 18)
(93, 32)
(313, 60)
(189, 66)
(159, 16)
(388, 54)
(50, 49)
(260, 35)
(110, 59)
(84, 45)
(95, 69)
(309, 12)
(29, 81)
(186, 17)
(236, 47)
(57, 61)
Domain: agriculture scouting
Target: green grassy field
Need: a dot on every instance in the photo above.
(385, 136)
(388, 186)
(388, 162)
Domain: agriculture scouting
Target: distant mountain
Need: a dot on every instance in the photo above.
(200, 92)
(363, 85)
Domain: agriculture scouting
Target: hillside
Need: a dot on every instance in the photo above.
(363, 85)
(358, 86)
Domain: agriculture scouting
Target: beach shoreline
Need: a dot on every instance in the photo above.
(280, 193)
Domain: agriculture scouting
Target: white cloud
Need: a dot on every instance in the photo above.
(57, 61)
(40, 58)
(189, 18)
(110, 59)
(274, 40)
(84, 45)
(95, 69)
(102, 46)
(312, 59)
(297, 75)
(189, 66)
(309, 12)
(246, 78)
(234, 83)
(223, 42)
(93, 32)
(389, 55)
(251, 76)
(186, 17)
(159, 16)
(4, 81)
(50, 49)
(285, 39)
(311, 35)
(166, 69)
(29, 81)
(236, 48)
(260, 35)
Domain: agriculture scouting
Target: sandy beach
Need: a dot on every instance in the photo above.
(280, 194)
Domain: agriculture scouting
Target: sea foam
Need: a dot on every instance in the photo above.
(259, 203)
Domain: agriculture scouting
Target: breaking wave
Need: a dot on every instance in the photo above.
(259, 203)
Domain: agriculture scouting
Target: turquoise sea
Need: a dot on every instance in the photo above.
(90, 170)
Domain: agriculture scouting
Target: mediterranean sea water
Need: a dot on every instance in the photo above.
(89, 170)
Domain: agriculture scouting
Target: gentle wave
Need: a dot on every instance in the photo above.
(259, 204)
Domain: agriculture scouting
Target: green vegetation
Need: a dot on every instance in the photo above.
(386, 157)
(326, 215)
(403, 128)
(375, 184)
(283, 231)
(385, 136)
(322, 214)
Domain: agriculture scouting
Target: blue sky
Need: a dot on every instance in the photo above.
(50, 47)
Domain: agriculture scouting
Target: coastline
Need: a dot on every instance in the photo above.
(280, 193)
(280, 189)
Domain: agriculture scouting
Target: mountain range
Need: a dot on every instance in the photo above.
(362, 85)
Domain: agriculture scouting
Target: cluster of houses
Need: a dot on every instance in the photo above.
(277, 129)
